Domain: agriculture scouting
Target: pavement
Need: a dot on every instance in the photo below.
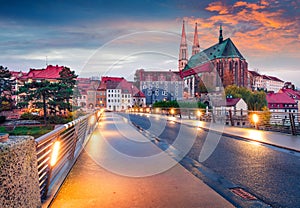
(120, 167)
(276, 139)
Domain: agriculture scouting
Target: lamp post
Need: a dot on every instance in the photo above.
(255, 120)
(172, 111)
(199, 114)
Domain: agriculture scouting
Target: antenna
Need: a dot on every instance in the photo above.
(46, 60)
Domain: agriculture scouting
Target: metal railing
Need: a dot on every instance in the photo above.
(285, 122)
(57, 150)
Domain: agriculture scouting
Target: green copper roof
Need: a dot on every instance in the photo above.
(225, 49)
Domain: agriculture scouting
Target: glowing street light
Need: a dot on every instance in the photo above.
(172, 111)
(199, 114)
(255, 119)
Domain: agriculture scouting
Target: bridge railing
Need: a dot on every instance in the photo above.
(285, 122)
(58, 150)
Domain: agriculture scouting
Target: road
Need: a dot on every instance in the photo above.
(270, 174)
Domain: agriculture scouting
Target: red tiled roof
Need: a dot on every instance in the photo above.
(271, 78)
(254, 73)
(291, 93)
(17, 73)
(232, 101)
(51, 72)
(112, 79)
(279, 98)
(139, 94)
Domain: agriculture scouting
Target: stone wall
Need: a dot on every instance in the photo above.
(19, 185)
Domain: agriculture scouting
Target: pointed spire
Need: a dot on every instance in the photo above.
(220, 36)
(183, 50)
(196, 46)
(183, 35)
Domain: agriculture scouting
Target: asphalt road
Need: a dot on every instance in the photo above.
(272, 175)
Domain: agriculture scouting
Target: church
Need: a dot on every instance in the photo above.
(214, 68)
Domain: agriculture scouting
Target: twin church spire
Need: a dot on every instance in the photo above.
(183, 51)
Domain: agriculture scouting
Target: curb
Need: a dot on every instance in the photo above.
(238, 137)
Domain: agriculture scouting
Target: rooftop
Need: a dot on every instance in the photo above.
(225, 49)
(279, 98)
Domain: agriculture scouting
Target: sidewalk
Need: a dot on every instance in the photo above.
(91, 185)
(281, 140)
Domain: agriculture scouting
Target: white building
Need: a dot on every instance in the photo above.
(113, 98)
(236, 105)
(264, 82)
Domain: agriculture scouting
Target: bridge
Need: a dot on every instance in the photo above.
(143, 159)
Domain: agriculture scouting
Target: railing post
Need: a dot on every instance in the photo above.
(292, 122)
(75, 139)
(213, 115)
(231, 118)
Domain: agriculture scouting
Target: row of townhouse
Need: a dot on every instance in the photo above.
(264, 82)
(120, 94)
(50, 73)
(112, 93)
(283, 103)
(159, 85)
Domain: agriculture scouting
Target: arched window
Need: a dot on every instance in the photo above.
(236, 73)
(242, 74)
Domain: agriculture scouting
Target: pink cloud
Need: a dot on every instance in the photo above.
(253, 26)
(217, 7)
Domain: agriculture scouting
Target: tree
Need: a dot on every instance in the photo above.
(39, 93)
(266, 115)
(5, 89)
(255, 100)
(66, 85)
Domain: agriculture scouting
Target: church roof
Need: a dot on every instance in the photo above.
(225, 49)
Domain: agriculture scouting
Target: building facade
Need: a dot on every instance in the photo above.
(219, 65)
(264, 82)
(159, 85)
(281, 104)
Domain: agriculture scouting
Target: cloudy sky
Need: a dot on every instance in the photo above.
(107, 37)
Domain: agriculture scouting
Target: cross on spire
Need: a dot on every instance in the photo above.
(221, 35)
(196, 46)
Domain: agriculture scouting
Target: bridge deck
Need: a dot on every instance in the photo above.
(103, 178)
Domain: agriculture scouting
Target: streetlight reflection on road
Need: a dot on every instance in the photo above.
(255, 135)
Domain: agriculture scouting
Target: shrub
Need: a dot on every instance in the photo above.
(58, 120)
(29, 116)
(35, 131)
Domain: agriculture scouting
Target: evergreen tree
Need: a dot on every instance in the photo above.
(67, 83)
(5, 89)
(40, 93)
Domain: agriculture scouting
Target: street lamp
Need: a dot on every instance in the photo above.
(255, 120)
(199, 114)
(172, 112)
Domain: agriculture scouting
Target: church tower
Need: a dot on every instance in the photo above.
(196, 46)
(183, 51)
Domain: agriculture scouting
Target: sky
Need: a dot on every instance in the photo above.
(114, 38)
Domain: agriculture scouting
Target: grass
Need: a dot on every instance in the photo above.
(35, 131)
